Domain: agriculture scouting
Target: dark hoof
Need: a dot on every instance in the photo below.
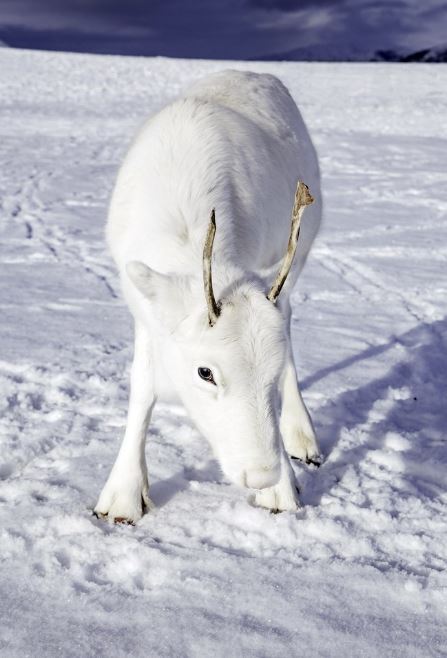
(122, 520)
(316, 461)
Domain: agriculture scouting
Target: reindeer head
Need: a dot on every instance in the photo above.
(226, 361)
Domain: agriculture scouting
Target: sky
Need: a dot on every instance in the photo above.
(226, 29)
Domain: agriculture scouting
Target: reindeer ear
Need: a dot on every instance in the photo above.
(169, 292)
(151, 284)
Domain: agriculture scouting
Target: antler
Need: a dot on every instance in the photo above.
(303, 198)
(213, 307)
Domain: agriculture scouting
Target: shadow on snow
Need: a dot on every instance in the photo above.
(419, 415)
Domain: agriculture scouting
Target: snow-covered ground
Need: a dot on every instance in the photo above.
(362, 571)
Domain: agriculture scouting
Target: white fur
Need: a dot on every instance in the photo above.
(235, 142)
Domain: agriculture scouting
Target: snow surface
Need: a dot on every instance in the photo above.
(361, 572)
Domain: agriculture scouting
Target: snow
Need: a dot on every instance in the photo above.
(361, 571)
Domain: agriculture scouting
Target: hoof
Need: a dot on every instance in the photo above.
(121, 520)
(316, 460)
(118, 520)
(123, 505)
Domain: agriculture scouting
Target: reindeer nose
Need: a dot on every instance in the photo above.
(261, 478)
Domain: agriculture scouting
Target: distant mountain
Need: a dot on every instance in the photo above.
(344, 54)
(436, 54)
(317, 53)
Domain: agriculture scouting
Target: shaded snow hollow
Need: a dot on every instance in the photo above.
(361, 572)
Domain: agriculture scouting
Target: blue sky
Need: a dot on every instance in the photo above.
(226, 29)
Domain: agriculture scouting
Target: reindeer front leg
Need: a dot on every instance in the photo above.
(296, 424)
(282, 497)
(299, 442)
(126, 492)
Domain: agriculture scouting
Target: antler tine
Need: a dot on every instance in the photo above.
(303, 198)
(213, 307)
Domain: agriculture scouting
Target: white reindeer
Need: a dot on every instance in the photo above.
(236, 143)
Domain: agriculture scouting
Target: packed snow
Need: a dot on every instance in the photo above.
(361, 571)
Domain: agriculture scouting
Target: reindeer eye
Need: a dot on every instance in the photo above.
(207, 375)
